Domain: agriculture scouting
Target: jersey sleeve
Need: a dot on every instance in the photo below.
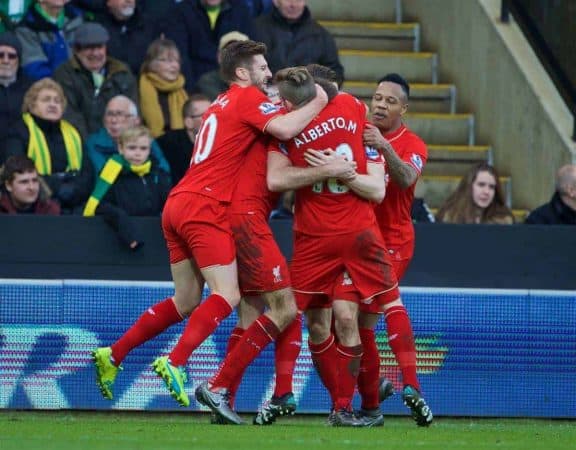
(256, 109)
(416, 154)
(277, 146)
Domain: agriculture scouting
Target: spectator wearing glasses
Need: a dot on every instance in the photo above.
(177, 145)
(161, 88)
(45, 32)
(13, 82)
(120, 114)
(91, 78)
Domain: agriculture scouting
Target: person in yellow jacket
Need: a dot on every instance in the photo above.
(53, 144)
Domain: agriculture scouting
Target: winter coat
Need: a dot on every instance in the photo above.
(555, 212)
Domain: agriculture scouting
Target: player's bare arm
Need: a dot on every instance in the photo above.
(403, 174)
(370, 186)
(288, 125)
(281, 175)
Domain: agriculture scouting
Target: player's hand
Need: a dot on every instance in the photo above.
(321, 95)
(373, 137)
(317, 158)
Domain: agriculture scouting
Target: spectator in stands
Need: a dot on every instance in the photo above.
(196, 27)
(561, 209)
(23, 191)
(131, 31)
(130, 184)
(161, 88)
(477, 199)
(420, 212)
(91, 78)
(211, 83)
(13, 82)
(45, 33)
(293, 38)
(120, 113)
(177, 145)
(52, 143)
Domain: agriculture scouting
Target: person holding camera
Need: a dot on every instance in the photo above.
(53, 144)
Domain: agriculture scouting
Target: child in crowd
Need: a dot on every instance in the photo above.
(130, 184)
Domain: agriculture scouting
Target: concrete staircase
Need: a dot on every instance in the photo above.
(372, 41)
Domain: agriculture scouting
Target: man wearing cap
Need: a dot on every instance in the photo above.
(45, 33)
(91, 78)
(196, 27)
(13, 82)
(211, 83)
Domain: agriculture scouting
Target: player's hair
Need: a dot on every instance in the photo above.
(239, 54)
(296, 85)
(397, 79)
(460, 207)
(133, 133)
(31, 94)
(16, 164)
(320, 71)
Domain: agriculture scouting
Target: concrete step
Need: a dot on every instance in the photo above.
(451, 129)
(371, 65)
(435, 189)
(434, 98)
(375, 11)
(455, 159)
(375, 35)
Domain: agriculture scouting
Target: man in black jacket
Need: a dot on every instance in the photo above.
(293, 38)
(561, 209)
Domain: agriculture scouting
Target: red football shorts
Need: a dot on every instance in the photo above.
(318, 263)
(343, 289)
(197, 227)
(261, 265)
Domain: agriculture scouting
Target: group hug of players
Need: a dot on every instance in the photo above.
(353, 239)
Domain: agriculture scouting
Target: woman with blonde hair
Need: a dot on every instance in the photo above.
(52, 143)
(161, 88)
(477, 199)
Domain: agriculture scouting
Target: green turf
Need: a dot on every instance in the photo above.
(21, 430)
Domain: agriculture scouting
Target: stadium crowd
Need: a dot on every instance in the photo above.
(113, 108)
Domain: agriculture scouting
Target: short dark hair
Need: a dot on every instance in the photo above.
(16, 164)
(320, 71)
(238, 54)
(397, 79)
(193, 98)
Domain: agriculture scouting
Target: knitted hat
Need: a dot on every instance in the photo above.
(9, 39)
(231, 37)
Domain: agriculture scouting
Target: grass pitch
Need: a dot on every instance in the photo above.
(24, 430)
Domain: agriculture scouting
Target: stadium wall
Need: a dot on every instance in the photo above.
(517, 109)
(480, 352)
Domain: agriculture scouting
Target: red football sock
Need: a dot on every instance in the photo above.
(255, 338)
(348, 367)
(233, 340)
(325, 359)
(149, 325)
(286, 353)
(401, 341)
(202, 322)
(369, 375)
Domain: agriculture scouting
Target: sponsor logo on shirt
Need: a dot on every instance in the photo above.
(268, 108)
(417, 161)
(372, 153)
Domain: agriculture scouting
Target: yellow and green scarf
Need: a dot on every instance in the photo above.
(150, 85)
(39, 152)
(108, 177)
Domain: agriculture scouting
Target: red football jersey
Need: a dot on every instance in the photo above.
(329, 207)
(393, 213)
(252, 195)
(230, 126)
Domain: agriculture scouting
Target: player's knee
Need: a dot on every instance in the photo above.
(318, 332)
